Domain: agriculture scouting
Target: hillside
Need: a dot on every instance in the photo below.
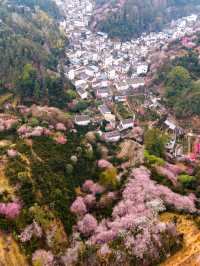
(31, 47)
(129, 18)
(87, 179)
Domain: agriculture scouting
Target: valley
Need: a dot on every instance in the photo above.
(99, 148)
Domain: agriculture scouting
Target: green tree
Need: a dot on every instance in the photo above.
(155, 141)
(28, 83)
(178, 81)
(108, 178)
(187, 181)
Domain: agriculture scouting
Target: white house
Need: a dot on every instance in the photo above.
(102, 93)
(89, 72)
(104, 83)
(112, 136)
(120, 98)
(126, 124)
(111, 74)
(82, 120)
(104, 110)
(170, 125)
(108, 61)
(71, 74)
(138, 82)
(82, 93)
(80, 82)
(122, 86)
(142, 69)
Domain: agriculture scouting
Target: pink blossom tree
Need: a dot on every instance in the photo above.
(10, 210)
(78, 207)
(31, 230)
(90, 200)
(61, 139)
(43, 258)
(61, 127)
(103, 164)
(92, 187)
(12, 153)
(87, 225)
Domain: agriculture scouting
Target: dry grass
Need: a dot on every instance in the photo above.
(10, 254)
(189, 255)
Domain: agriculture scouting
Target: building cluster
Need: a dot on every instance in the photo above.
(104, 69)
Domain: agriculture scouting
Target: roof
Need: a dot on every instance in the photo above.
(138, 80)
(171, 125)
(80, 91)
(112, 134)
(82, 118)
(127, 121)
(104, 109)
(103, 90)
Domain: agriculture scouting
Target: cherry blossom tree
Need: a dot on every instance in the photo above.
(10, 210)
(61, 127)
(103, 164)
(43, 258)
(31, 230)
(92, 187)
(87, 225)
(61, 139)
(90, 200)
(78, 206)
(12, 153)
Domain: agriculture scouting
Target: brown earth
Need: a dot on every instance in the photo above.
(189, 255)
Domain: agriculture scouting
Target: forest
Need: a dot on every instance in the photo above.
(31, 48)
(135, 17)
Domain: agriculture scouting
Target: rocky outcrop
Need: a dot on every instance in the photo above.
(132, 151)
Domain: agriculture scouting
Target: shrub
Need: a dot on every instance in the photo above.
(108, 178)
(155, 141)
(152, 159)
(187, 180)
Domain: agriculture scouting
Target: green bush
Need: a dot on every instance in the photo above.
(108, 178)
(155, 141)
(152, 159)
(187, 180)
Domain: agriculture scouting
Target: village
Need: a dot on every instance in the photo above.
(109, 72)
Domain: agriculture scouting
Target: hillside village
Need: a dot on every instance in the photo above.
(110, 177)
(111, 72)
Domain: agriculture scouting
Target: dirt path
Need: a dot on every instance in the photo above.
(189, 255)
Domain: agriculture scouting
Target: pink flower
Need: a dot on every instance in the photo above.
(31, 230)
(23, 130)
(97, 189)
(87, 185)
(43, 258)
(104, 164)
(90, 200)
(167, 173)
(78, 206)
(12, 153)
(92, 187)
(87, 225)
(61, 140)
(37, 132)
(61, 127)
(105, 250)
(10, 210)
